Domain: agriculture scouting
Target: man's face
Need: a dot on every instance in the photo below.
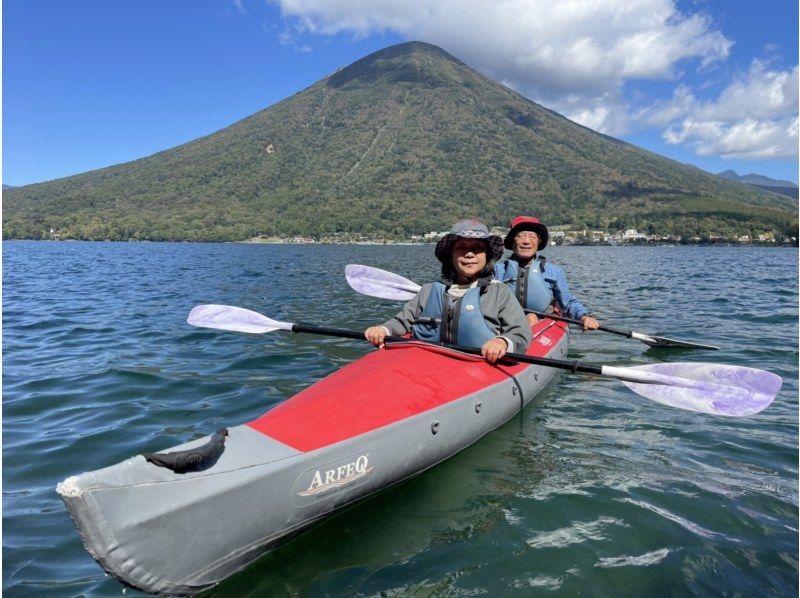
(526, 243)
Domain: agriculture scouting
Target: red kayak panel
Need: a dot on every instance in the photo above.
(387, 386)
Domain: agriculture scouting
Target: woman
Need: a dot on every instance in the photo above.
(467, 307)
(535, 282)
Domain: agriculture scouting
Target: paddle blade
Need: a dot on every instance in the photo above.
(662, 342)
(234, 319)
(705, 387)
(380, 283)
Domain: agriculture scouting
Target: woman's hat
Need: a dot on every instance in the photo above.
(521, 223)
(468, 229)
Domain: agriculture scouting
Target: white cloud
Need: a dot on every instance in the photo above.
(569, 45)
(760, 93)
(749, 139)
(576, 57)
(607, 113)
(289, 37)
(754, 117)
(661, 113)
(548, 50)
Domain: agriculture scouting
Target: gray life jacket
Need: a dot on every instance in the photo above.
(459, 322)
(530, 287)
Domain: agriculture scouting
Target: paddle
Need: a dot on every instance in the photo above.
(388, 285)
(704, 387)
(660, 342)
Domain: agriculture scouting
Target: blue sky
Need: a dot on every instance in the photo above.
(88, 84)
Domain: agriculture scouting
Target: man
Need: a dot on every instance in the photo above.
(536, 283)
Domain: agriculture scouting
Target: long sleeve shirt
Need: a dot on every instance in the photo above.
(557, 280)
(501, 312)
(571, 307)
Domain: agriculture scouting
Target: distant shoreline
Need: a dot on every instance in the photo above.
(416, 243)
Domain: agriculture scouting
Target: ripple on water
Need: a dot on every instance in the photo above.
(642, 560)
(592, 490)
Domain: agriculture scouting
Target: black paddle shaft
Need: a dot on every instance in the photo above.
(561, 364)
(578, 322)
(648, 339)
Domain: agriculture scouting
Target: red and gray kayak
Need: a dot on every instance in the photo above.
(376, 422)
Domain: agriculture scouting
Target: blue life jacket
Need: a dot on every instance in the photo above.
(457, 322)
(529, 285)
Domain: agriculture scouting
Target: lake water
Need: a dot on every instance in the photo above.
(591, 490)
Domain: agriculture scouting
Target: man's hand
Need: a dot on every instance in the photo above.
(494, 349)
(532, 318)
(589, 323)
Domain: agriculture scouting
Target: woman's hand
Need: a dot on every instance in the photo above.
(532, 318)
(589, 323)
(494, 349)
(375, 335)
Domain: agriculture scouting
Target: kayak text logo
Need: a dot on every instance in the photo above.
(324, 480)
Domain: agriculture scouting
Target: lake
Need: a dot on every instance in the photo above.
(591, 490)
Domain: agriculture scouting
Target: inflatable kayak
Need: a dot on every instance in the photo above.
(375, 422)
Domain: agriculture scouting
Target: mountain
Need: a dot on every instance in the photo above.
(755, 179)
(787, 188)
(403, 141)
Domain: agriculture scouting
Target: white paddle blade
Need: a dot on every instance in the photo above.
(380, 283)
(705, 387)
(234, 319)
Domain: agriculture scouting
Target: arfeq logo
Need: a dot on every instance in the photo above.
(328, 479)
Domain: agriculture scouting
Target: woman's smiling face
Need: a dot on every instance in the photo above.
(469, 259)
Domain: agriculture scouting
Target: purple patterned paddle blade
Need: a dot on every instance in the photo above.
(712, 388)
(234, 319)
(380, 283)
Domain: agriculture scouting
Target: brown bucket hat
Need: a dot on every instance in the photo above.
(469, 229)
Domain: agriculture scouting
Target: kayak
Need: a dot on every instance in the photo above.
(371, 424)
(375, 422)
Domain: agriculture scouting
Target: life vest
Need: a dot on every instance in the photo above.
(529, 285)
(459, 322)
